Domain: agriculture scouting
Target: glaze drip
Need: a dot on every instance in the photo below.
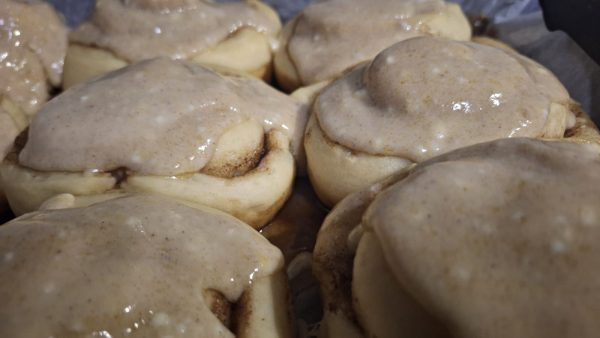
(141, 29)
(157, 117)
(136, 266)
(31, 54)
(426, 96)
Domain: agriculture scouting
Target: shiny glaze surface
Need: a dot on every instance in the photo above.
(331, 35)
(426, 96)
(31, 53)
(140, 29)
(499, 239)
(158, 117)
(134, 266)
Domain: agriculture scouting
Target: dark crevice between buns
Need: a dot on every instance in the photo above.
(19, 143)
(240, 314)
(481, 26)
(120, 175)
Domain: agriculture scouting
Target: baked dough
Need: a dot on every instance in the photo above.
(143, 266)
(8, 132)
(32, 61)
(479, 242)
(325, 39)
(34, 55)
(423, 97)
(164, 126)
(232, 35)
